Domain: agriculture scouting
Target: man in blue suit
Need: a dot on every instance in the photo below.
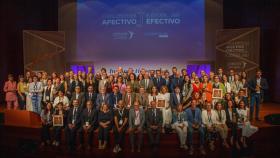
(257, 87)
(176, 98)
(176, 81)
(195, 123)
(114, 98)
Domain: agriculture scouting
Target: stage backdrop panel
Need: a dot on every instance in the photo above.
(238, 49)
(44, 50)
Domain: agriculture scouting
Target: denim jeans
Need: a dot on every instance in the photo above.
(255, 99)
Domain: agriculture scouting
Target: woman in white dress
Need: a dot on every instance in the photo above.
(164, 97)
(244, 123)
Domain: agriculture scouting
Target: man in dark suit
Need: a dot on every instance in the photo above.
(159, 81)
(90, 95)
(174, 72)
(78, 95)
(176, 98)
(115, 97)
(176, 81)
(74, 123)
(154, 124)
(75, 83)
(257, 87)
(88, 124)
(102, 98)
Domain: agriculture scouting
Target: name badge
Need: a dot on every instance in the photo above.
(73, 121)
(47, 98)
(87, 123)
(120, 122)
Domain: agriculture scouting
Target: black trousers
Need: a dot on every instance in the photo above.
(103, 133)
(45, 133)
(71, 137)
(82, 133)
(154, 136)
(119, 136)
(57, 133)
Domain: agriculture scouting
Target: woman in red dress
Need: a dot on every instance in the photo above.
(10, 88)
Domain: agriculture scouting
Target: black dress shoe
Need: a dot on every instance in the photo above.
(257, 119)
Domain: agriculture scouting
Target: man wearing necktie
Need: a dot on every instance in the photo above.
(74, 122)
(154, 124)
(88, 125)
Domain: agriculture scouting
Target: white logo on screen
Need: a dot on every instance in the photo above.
(130, 34)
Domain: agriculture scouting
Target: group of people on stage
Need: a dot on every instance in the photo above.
(155, 101)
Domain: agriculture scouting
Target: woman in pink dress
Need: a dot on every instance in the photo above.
(10, 88)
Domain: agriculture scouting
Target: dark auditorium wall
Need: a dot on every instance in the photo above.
(266, 15)
(15, 16)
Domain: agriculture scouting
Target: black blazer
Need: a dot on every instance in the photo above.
(228, 121)
(73, 86)
(89, 117)
(154, 120)
(78, 117)
(160, 83)
(93, 97)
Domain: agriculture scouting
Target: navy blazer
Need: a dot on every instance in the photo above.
(176, 82)
(112, 99)
(252, 85)
(159, 83)
(174, 101)
(197, 117)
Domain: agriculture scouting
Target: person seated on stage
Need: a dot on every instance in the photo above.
(176, 98)
(195, 123)
(180, 124)
(241, 96)
(154, 120)
(153, 96)
(105, 118)
(102, 98)
(120, 125)
(136, 124)
(59, 110)
(221, 123)
(10, 88)
(142, 97)
(61, 98)
(209, 120)
(244, 123)
(231, 122)
(115, 97)
(88, 124)
(46, 119)
(78, 95)
(74, 123)
(128, 98)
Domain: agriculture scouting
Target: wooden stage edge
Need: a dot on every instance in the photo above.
(266, 109)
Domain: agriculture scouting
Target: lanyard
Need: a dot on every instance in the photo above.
(209, 117)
